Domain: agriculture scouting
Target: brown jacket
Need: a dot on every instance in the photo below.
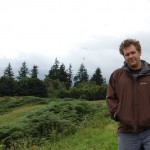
(128, 99)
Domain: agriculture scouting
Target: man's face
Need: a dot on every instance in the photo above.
(132, 57)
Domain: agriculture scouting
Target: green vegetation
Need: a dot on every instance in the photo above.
(99, 133)
(31, 123)
(59, 82)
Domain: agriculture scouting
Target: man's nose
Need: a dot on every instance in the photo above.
(130, 55)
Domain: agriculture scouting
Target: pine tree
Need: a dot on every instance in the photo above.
(82, 75)
(7, 86)
(34, 72)
(24, 71)
(97, 77)
(62, 74)
(8, 71)
(54, 72)
(70, 75)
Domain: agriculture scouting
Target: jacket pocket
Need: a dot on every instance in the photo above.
(125, 115)
(144, 118)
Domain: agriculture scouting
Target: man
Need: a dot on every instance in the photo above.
(128, 98)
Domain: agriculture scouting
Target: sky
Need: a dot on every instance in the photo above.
(74, 31)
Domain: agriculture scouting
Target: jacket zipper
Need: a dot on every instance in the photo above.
(135, 101)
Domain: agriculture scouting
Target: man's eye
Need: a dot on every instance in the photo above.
(126, 54)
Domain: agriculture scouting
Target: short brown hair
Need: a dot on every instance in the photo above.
(128, 42)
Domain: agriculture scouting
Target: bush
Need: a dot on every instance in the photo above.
(57, 119)
(9, 103)
(7, 86)
(88, 91)
(31, 87)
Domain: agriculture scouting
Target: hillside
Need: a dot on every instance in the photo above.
(31, 123)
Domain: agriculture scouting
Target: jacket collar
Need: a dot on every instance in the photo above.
(145, 69)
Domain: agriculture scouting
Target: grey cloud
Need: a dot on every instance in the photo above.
(99, 52)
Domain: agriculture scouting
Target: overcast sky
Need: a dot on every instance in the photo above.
(74, 31)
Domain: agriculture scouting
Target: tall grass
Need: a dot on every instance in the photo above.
(98, 134)
(87, 139)
(44, 124)
(17, 113)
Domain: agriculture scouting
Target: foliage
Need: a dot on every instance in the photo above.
(89, 91)
(98, 134)
(63, 76)
(81, 76)
(97, 77)
(54, 71)
(70, 75)
(7, 86)
(8, 72)
(24, 71)
(34, 72)
(58, 83)
(60, 73)
(8, 104)
(32, 87)
(52, 122)
(55, 88)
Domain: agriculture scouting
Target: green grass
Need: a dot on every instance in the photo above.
(97, 132)
(16, 114)
(87, 139)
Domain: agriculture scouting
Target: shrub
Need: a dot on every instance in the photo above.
(57, 119)
(88, 91)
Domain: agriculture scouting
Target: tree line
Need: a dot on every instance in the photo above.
(59, 82)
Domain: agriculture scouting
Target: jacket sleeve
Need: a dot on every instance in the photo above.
(111, 99)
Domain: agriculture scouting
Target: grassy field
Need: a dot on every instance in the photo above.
(99, 134)
(95, 132)
(89, 138)
(16, 114)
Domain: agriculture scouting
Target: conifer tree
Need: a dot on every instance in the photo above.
(70, 75)
(7, 82)
(34, 72)
(62, 74)
(82, 75)
(8, 71)
(97, 77)
(24, 71)
(54, 71)
(7, 86)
